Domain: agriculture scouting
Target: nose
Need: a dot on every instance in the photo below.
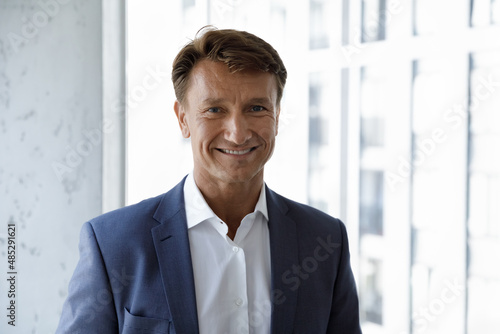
(237, 129)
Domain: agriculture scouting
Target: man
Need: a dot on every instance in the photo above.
(220, 252)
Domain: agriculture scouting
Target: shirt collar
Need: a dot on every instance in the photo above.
(198, 210)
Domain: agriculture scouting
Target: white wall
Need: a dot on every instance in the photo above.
(50, 116)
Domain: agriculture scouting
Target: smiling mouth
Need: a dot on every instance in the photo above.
(241, 152)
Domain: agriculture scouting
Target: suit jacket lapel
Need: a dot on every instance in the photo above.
(284, 255)
(172, 249)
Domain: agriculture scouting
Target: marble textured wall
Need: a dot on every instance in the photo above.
(50, 148)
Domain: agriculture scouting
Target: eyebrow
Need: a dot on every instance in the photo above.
(212, 101)
(261, 100)
(257, 100)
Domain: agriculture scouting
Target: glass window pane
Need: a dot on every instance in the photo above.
(429, 100)
(485, 12)
(321, 110)
(372, 131)
(373, 20)
(438, 225)
(425, 19)
(484, 295)
(318, 29)
(481, 12)
(495, 11)
(429, 16)
(188, 3)
(371, 195)
(370, 291)
(484, 195)
(374, 93)
(484, 211)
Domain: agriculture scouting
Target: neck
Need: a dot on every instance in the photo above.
(231, 202)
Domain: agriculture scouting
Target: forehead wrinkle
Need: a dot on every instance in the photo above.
(217, 79)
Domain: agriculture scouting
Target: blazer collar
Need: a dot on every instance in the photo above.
(171, 241)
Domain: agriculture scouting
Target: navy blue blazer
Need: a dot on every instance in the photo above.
(135, 273)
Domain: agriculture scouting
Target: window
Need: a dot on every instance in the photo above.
(390, 121)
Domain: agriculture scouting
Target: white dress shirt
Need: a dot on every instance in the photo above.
(232, 278)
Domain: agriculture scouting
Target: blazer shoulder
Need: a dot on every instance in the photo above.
(305, 215)
(128, 214)
(140, 217)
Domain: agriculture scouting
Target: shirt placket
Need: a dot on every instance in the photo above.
(238, 289)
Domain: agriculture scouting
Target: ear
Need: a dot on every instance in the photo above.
(180, 112)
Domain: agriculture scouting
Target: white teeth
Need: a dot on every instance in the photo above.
(237, 152)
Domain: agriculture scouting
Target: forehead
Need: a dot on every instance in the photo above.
(213, 79)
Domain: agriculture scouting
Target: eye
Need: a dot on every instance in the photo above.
(257, 108)
(214, 110)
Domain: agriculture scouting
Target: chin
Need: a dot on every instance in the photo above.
(238, 177)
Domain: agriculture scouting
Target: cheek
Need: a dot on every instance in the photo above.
(267, 130)
(205, 133)
(268, 134)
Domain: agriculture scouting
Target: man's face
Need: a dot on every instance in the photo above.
(232, 119)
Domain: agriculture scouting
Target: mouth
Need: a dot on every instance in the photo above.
(237, 152)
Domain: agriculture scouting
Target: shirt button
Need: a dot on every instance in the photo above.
(235, 249)
(238, 302)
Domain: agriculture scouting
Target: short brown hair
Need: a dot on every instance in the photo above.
(239, 50)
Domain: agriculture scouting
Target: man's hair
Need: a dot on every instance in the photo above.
(239, 50)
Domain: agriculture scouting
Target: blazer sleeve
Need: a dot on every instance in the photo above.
(89, 307)
(344, 315)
